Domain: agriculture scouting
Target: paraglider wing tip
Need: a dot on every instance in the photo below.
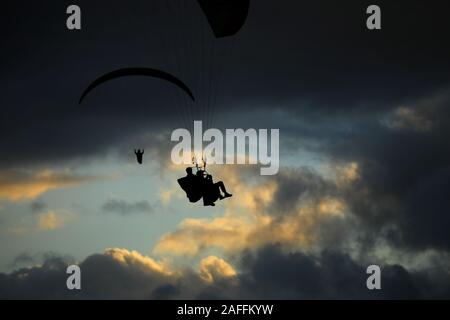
(84, 94)
(137, 72)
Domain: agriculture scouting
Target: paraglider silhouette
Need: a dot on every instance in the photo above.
(226, 17)
(139, 154)
(196, 58)
(201, 185)
(148, 72)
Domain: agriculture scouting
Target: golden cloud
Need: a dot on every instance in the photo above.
(248, 223)
(52, 220)
(166, 195)
(409, 118)
(23, 185)
(228, 233)
(45, 221)
(136, 259)
(213, 268)
(346, 174)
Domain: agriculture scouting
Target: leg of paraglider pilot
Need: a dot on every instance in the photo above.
(209, 199)
(222, 188)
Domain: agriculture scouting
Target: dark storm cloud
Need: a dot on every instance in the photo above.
(23, 259)
(273, 274)
(295, 185)
(399, 194)
(406, 173)
(103, 277)
(319, 53)
(125, 208)
(426, 220)
(267, 273)
(107, 278)
(48, 68)
(47, 277)
(165, 292)
(402, 155)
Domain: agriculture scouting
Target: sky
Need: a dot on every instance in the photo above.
(364, 154)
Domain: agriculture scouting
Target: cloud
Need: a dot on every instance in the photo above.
(27, 185)
(213, 268)
(124, 208)
(23, 259)
(268, 273)
(342, 207)
(194, 235)
(346, 174)
(166, 195)
(115, 274)
(318, 77)
(52, 220)
(407, 118)
(394, 175)
(295, 210)
(43, 221)
(26, 260)
(137, 260)
(421, 115)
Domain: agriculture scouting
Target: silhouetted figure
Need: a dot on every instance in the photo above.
(201, 185)
(191, 184)
(213, 191)
(139, 154)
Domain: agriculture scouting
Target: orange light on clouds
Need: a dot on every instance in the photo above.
(20, 186)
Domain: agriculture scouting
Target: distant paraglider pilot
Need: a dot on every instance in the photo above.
(202, 185)
(139, 154)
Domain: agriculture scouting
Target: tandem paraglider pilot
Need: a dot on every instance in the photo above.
(201, 185)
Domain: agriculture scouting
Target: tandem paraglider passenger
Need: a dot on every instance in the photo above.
(201, 185)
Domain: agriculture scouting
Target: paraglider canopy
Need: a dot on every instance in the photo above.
(226, 17)
(148, 72)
